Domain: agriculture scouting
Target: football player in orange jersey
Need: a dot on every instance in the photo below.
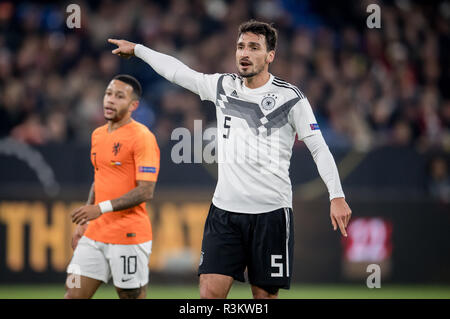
(114, 235)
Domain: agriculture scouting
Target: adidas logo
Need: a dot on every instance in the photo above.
(234, 93)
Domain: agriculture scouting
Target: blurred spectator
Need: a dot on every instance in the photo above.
(57, 130)
(31, 131)
(439, 180)
(368, 87)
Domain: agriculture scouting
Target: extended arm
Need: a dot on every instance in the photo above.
(340, 212)
(165, 65)
(141, 193)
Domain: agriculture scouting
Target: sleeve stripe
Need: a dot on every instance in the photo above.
(285, 84)
(297, 91)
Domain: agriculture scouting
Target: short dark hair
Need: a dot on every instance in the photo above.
(258, 27)
(128, 79)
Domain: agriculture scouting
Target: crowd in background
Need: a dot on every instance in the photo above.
(368, 87)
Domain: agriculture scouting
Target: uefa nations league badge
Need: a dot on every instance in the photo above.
(268, 102)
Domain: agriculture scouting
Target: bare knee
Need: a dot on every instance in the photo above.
(76, 293)
(208, 291)
(214, 286)
(136, 293)
(264, 293)
(80, 287)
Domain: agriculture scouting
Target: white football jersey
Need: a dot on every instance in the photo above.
(256, 132)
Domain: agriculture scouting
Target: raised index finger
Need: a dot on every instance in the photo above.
(113, 41)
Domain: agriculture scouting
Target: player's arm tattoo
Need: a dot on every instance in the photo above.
(91, 197)
(142, 193)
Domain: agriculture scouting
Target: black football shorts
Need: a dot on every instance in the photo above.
(262, 243)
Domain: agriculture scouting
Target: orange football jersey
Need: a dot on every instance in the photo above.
(120, 159)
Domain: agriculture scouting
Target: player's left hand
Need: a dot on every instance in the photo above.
(340, 214)
(85, 213)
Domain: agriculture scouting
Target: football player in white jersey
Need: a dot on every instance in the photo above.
(249, 225)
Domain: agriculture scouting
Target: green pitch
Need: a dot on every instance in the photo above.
(242, 291)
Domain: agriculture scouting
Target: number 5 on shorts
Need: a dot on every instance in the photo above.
(275, 264)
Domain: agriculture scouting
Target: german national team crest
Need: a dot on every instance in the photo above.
(116, 148)
(268, 102)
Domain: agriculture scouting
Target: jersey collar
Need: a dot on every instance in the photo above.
(260, 89)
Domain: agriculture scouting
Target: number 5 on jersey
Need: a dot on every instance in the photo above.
(226, 126)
